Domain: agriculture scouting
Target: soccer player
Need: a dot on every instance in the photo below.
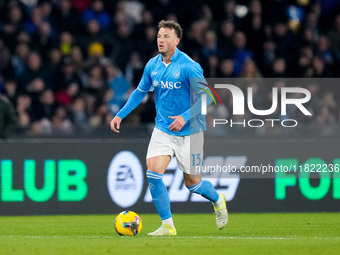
(177, 124)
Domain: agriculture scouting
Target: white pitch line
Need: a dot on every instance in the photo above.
(180, 237)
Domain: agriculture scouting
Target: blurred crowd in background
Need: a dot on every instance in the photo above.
(69, 65)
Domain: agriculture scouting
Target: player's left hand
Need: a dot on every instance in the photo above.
(177, 124)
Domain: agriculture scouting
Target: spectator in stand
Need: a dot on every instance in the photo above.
(210, 48)
(213, 64)
(46, 9)
(279, 68)
(81, 5)
(124, 47)
(79, 115)
(5, 57)
(68, 76)
(226, 68)
(45, 106)
(133, 9)
(8, 118)
(12, 24)
(66, 18)
(66, 95)
(34, 69)
(19, 59)
(23, 108)
(96, 55)
(311, 24)
(36, 18)
(327, 109)
(308, 37)
(284, 40)
(78, 61)
(98, 13)
(267, 56)
(195, 38)
(121, 89)
(146, 46)
(95, 82)
(10, 88)
(249, 69)
(320, 69)
(53, 64)
(147, 21)
(60, 122)
(23, 37)
(134, 69)
(323, 50)
(95, 34)
(255, 34)
(334, 37)
(324, 116)
(42, 40)
(241, 52)
(66, 42)
(303, 66)
(226, 35)
(101, 114)
(228, 10)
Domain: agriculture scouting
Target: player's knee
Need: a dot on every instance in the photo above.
(158, 164)
(151, 166)
(154, 166)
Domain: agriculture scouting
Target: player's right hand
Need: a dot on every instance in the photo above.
(115, 124)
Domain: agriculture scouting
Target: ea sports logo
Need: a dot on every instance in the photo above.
(125, 179)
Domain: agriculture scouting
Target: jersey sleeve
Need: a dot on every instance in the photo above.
(196, 80)
(134, 100)
(195, 75)
(145, 84)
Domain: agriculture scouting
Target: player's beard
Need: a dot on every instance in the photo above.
(166, 53)
(162, 51)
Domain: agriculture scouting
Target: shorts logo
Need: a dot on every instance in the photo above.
(176, 75)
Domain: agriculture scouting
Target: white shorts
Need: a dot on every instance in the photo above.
(187, 149)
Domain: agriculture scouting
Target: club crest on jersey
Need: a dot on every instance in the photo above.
(155, 83)
(176, 75)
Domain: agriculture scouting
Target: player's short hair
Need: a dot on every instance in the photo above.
(171, 25)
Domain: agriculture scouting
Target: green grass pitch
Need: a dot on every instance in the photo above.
(278, 233)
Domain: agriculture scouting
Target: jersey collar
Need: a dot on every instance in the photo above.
(176, 55)
(174, 58)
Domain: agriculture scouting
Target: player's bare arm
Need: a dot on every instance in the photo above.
(115, 124)
(177, 124)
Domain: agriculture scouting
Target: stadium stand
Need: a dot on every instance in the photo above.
(68, 66)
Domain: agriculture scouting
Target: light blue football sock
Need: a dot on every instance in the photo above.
(159, 193)
(206, 190)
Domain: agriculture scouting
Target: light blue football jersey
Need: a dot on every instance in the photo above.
(173, 93)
